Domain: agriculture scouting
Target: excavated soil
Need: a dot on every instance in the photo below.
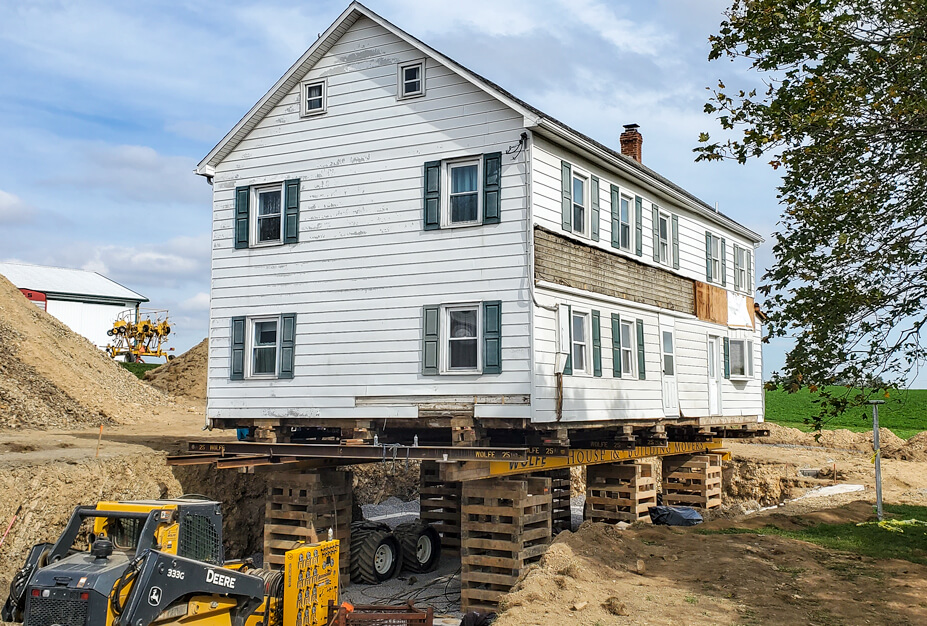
(660, 575)
(184, 376)
(51, 377)
(375, 482)
(892, 446)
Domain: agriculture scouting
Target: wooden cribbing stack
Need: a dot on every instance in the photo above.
(561, 514)
(620, 492)
(302, 502)
(693, 480)
(505, 525)
(440, 505)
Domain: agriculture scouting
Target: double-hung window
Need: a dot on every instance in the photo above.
(715, 252)
(627, 349)
(463, 193)
(743, 269)
(263, 346)
(580, 213)
(624, 223)
(662, 238)
(412, 79)
(580, 338)
(463, 339)
(741, 358)
(267, 218)
(314, 97)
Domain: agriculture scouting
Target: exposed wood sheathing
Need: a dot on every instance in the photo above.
(710, 303)
(565, 262)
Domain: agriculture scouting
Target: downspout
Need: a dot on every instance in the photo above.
(528, 139)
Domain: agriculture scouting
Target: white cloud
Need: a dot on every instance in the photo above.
(624, 34)
(197, 303)
(13, 210)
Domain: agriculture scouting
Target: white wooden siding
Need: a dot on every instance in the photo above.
(546, 195)
(363, 267)
(90, 320)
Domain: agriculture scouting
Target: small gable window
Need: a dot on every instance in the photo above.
(314, 97)
(412, 79)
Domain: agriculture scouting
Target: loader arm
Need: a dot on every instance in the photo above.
(164, 579)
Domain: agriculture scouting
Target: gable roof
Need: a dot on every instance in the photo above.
(65, 283)
(534, 118)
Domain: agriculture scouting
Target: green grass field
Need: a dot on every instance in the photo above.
(904, 412)
(139, 369)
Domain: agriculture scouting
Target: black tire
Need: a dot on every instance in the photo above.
(421, 546)
(375, 553)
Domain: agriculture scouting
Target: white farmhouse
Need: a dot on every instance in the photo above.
(87, 302)
(400, 244)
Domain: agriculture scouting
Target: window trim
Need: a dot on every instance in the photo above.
(250, 323)
(631, 371)
(400, 81)
(446, 166)
(630, 200)
(748, 358)
(253, 217)
(743, 286)
(587, 342)
(304, 110)
(445, 339)
(661, 214)
(586, 177)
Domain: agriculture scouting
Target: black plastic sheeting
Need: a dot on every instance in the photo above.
(674, 515)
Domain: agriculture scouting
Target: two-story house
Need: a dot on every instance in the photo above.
(399, 243)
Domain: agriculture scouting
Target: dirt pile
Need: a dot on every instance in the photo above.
(185, 376)
(51, 377)
(375, 482)
(660, 575)
(49, 492)
(892, 445)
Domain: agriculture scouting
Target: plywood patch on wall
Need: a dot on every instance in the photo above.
(710, 303)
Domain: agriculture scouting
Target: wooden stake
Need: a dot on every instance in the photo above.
(99, 441)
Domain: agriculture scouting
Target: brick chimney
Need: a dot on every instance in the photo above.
(631, 142)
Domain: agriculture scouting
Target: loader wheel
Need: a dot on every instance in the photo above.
(421, 546)
(375, 553)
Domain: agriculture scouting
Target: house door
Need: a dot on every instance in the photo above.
(668, 352)
(714, 376)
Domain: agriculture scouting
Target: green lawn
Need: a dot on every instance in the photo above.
(904, 412)
(868, 539)
(139, 369)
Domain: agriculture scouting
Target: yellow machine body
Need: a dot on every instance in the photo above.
(310, 580)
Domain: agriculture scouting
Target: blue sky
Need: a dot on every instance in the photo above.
(106, 107)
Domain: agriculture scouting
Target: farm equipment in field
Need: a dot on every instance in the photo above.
(138, 334)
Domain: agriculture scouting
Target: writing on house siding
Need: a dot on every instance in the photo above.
(572, 264)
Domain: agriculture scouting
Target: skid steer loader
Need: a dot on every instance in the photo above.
(162, 562)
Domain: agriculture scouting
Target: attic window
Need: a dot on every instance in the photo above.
(412, 79)
(314, 97)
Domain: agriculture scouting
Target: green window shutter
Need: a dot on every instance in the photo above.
(727, 357)
(641, 361)
(707, 256)
(237, 343)
(723, 264)
(242, 213)
(431, 339)
(492, 337)
(596, 344)
(287, 344)
(432, 193)
(594, 216)
(492, 188)
(656, 233)
(616, 345)
(568, 368)
(737, 284)
(291, 223)
(616, 217)
(566, 200)
(675, 242)
(749, 257)
(639, 224)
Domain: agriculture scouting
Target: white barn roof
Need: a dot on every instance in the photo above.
(64, 283)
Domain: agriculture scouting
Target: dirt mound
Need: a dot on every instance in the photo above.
(892, 446)
(185, 376)
(375, 482)
(51, 377)
(914, 449)
(661, 575)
